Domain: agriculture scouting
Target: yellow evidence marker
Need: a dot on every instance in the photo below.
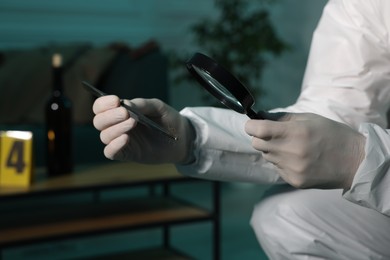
(16, 158)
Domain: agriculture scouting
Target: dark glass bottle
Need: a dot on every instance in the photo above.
(58, 112)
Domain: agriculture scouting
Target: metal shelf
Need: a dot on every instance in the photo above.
(38, 223)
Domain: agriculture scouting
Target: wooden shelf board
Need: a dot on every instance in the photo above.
(99, 176)
(97, 217)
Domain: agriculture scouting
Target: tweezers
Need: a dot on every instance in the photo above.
(134, 113)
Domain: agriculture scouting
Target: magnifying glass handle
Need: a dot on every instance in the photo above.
(273, 116)
(253, 115)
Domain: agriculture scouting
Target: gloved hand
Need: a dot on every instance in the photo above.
(310, 151)
(127, 140)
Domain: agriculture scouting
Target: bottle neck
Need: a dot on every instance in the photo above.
(57, 80)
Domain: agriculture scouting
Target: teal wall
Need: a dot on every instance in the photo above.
(25, 24)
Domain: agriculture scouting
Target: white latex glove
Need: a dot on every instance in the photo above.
(310, 151)
(127, 140)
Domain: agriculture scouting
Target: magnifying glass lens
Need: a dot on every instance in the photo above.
(223, 94)
(222, 84)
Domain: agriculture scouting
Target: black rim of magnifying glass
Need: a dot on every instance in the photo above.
(226, 79)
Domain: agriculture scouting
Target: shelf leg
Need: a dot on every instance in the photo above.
(166, 228)
(217, 221)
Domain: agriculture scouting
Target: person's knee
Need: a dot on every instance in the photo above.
(276, 212)
(274, 221)
(283, 225)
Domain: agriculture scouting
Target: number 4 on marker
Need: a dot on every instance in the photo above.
(16, 157)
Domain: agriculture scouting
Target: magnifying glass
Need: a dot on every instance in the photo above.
(222, 85)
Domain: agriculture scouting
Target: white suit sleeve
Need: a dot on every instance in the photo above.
(223, 150)
(346, 79)
(371, 184)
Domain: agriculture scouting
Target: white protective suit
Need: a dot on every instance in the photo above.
(348, 80)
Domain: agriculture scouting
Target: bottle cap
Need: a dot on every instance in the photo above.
(57, 60)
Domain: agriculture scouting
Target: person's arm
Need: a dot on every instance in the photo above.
(222, 149)
(371, 183)
(346, 80)
(347, 75)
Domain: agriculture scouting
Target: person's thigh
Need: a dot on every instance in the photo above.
(319, 224)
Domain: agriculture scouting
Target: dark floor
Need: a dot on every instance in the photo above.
(237, 239)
